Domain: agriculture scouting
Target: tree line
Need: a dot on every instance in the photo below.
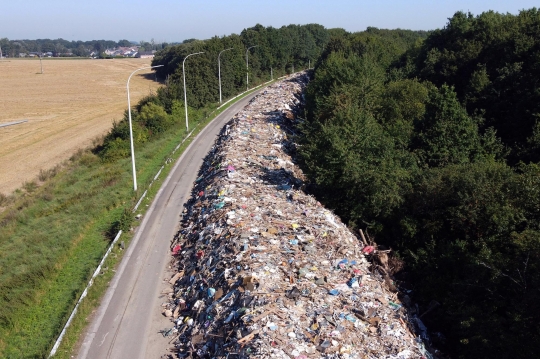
(61, 47)
(430, 142)
(277, 50)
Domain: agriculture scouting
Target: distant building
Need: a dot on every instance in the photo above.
(146, 54)
(123, 51)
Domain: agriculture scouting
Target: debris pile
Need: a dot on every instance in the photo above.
(262, 269)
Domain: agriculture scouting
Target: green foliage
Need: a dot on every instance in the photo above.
(472, 246)
(149, 121)
(492, 60)
(154, 118)
(115, 149)
(403, 104)
(402, 136)
(359, 170)
(123, 223)
(342, 81)
(357, 167)
(446, 134)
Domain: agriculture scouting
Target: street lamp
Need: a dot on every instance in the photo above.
(219, 72)
(185, 94)
(247, 66)
(130, 127)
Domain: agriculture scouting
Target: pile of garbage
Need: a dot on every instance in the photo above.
(262, 268)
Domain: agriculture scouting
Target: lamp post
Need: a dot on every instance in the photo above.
(247, 66)
(219, 71)
(185, 94)
(131, 128)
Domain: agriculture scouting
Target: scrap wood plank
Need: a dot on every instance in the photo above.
(176, 277)
(248, 337)
(266, 313)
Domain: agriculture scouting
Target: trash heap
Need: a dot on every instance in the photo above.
(263, 269)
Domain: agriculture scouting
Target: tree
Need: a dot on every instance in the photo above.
(446, 134)
(124, 43)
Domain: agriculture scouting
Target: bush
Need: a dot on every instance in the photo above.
(123, 223)
(116, 144)
(154, 118)
(115, 149)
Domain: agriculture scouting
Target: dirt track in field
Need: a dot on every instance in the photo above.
(69, 105)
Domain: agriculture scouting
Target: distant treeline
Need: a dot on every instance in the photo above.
(61, 47)
(432, 144)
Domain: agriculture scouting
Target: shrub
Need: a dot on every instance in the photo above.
(154, 118)
(30, 186)
(123, 223)
(115, 149)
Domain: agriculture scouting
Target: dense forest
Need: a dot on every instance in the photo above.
(430, 142)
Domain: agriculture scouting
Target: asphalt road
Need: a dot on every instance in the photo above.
(128, 321)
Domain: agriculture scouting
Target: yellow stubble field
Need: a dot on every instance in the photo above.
(73, 102)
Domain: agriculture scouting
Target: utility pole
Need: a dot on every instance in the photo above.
(219, 72)
(131, 127)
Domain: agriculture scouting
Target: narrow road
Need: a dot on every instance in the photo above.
(129, 319)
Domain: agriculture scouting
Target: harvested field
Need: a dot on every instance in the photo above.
(70, 104)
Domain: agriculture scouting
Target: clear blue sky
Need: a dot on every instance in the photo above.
(176, 20)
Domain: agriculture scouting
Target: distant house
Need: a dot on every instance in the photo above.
(22, 54)
(123, 51)
(146, 54)
(131, 53)
(128, 51)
